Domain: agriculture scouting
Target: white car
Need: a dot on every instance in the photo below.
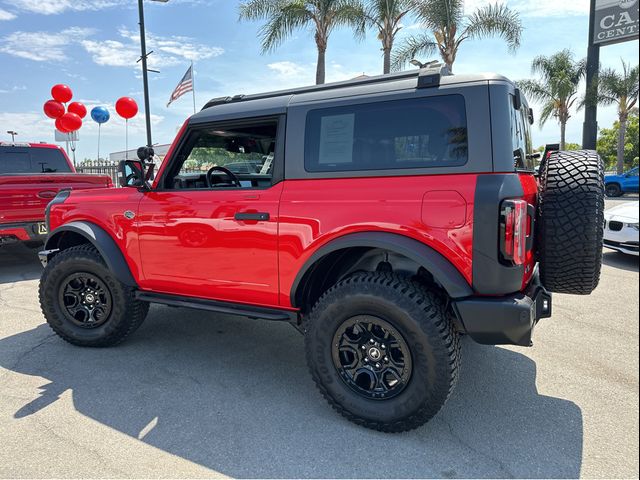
(621, 228)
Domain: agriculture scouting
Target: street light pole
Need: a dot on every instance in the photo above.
(590, 126)
(145, 77)
(13, 135)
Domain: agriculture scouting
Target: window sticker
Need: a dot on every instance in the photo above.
(336, 139)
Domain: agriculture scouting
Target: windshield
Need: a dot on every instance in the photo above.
(32, 160)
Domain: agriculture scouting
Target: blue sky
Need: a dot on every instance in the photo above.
(92, 46)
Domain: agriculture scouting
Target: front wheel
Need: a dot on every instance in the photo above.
(84, 303)
(382, 351)
(613, 190)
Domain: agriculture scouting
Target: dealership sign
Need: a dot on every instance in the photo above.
(615, 21)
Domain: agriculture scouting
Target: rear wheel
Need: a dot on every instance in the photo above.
(84, 303)
(571, 221)
(382, 351)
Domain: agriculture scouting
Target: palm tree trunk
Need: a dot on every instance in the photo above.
(563, 134)
(320, 68)
(387, 60)
(622, 131)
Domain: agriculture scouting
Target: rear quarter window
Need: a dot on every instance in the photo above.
(521, 137)
(400, 134)
(32, 160)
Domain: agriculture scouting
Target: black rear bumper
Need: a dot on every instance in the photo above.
(507, 320)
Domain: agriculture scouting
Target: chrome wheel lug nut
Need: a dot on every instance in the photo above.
(383, 346)
(386, 359)
(364, 347)
(377, 365)
(366, 360)
(372, 341)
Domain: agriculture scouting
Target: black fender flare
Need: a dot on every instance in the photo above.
(103, 242)
(442, 270)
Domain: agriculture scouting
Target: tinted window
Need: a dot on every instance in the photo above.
(521, 137)
(32, 160)
(401, 134)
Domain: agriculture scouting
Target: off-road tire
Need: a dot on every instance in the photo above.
(570, 223)
(419, 315)
(127, 313)
(613, 190)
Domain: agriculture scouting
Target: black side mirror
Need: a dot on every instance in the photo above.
(131, 173)
(517, 99)
(145, 154)
(531, 117)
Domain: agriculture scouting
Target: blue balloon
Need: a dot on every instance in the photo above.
(100, 114)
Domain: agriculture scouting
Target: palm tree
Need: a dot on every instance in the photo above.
(386, 17)
(620, 89)
(285, 16)
(448, 27)
(557, 88)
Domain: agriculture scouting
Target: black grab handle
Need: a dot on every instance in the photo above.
(256, 217)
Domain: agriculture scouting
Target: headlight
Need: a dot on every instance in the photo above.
(632, 225)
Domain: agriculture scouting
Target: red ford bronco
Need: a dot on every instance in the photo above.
(31, 174)
(384, 217)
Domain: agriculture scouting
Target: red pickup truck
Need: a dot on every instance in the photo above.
(31, 174)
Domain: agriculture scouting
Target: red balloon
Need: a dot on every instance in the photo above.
(60, 127)
(126, 107)
(77, 108)
(53, 109)
(61, 93)
(70, 122)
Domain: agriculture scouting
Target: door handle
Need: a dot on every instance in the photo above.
(256, 217)
(47, 194)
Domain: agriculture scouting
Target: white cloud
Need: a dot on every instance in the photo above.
(111, 52)
(289, 69)
(124, 52)
(4, 15)
(42, 46)
(288, 74)
(31, 126)
(15, 88)
(167, 51)
(53, 7)
(537, 8)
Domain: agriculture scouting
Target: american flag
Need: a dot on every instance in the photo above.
(185, 85)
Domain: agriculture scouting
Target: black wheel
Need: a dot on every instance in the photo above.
(613, 190)
(84, 303)
(382, 351)
(570, 221)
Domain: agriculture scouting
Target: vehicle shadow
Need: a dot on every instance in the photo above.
(18, 263)
(620, 260)
(234, 395)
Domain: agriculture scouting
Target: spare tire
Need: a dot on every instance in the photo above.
(570, 222)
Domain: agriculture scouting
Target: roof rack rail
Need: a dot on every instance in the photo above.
(429, 76)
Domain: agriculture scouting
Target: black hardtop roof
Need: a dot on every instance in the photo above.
(376, 84)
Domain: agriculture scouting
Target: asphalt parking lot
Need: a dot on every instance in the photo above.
(196, 394)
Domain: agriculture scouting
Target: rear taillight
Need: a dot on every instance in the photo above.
(514, 230)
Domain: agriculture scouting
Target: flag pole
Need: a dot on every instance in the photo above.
(193, 87)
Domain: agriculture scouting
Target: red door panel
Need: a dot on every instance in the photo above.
(192, 244)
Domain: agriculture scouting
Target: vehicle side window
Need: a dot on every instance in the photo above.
(48, 160)
(521, 137)
(12, 161)
(633, 173)
(247, 150)
(32, 160)
(415, 133)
